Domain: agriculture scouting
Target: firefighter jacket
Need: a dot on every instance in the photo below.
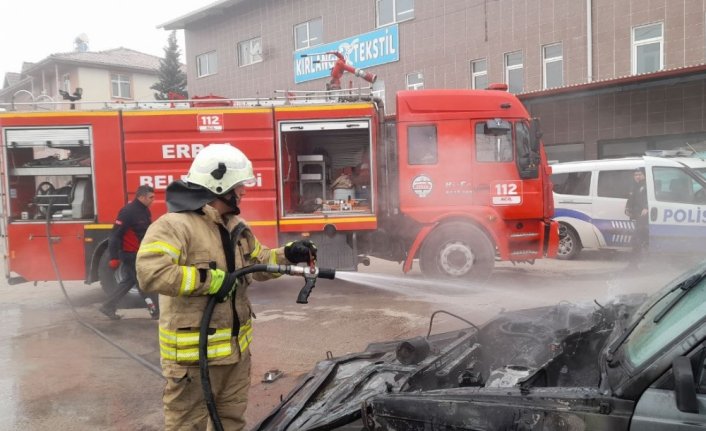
(129, 228)
(182, 258)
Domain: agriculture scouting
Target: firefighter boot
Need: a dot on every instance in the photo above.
(110, 312)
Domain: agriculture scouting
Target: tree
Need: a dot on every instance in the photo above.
(172, 78)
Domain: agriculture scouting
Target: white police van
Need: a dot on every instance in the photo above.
(590, 197)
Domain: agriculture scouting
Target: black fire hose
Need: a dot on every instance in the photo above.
(310, 274)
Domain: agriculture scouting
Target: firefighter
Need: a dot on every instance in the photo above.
(128, 230)
(188, 254)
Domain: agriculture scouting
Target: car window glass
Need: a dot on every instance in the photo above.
(675, 185)
(614, 184)
(422, 145)
(572, 183)
(648, 338)
(493, 147)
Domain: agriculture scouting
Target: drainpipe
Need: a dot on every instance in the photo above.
(589, 41)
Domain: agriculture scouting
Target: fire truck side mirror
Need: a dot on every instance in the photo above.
(535, 134)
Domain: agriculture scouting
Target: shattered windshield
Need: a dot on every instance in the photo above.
(649, 337)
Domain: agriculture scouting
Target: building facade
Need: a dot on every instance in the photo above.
(606, 77)
(116, 75)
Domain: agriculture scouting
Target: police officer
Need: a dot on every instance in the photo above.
(128, 230)
(191, 253)
(637, 209)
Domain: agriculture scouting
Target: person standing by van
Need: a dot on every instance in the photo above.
(636, 208)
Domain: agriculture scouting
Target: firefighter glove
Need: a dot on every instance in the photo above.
(228, 286)
(114, 263)
(299, 251)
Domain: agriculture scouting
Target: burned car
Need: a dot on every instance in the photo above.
(637, 363)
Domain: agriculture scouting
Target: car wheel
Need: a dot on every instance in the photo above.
(457, 250)
(569, 243)
(109, 280)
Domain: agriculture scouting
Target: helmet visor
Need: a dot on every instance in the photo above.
(250, 182)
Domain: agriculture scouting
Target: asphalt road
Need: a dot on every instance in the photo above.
(58, 374)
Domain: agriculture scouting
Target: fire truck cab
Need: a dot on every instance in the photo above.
(470, 183)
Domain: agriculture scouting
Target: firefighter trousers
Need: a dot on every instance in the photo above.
(184, 405)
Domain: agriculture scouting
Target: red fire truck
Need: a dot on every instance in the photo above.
(457, 179)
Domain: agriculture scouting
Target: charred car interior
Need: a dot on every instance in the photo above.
(635, 363)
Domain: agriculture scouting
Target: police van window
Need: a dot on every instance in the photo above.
(492, 147)
(422, 145)
(572, 183)
(675, 185)
(615, 184)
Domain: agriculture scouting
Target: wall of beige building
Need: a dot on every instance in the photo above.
(96, 85)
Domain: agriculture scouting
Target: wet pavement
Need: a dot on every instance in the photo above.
(58, 374)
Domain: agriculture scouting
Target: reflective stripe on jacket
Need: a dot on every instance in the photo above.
(181, 258)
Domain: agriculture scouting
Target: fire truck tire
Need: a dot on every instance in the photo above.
(457, 250)
(109, 280)
(569, 243)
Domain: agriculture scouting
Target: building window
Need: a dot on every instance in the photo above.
(514, 72)
(647, 48)
(553, 65)
(479, 74)
(120, 85)
(206, 64)
(415, 81)
(392, 11)
(423, 148)
(250, 51)
(308, 34)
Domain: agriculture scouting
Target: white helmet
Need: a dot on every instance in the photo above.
(219, 168)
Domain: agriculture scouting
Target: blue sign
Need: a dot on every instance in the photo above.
(362, 51)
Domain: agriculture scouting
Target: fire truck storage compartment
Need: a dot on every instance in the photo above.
(313, 155)
(49, 169)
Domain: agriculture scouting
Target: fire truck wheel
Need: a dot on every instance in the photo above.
(569, 243)
(109, 280)
(457, 250)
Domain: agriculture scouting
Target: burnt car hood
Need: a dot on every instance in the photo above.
(516, 354)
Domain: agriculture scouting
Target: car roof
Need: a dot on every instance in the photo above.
(625, 163)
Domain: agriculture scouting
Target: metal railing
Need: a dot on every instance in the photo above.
(280, 97)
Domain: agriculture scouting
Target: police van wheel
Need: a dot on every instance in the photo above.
(569, 243)
(457, 250)
(109, 280)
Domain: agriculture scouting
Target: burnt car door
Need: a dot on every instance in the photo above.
(676, 401)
